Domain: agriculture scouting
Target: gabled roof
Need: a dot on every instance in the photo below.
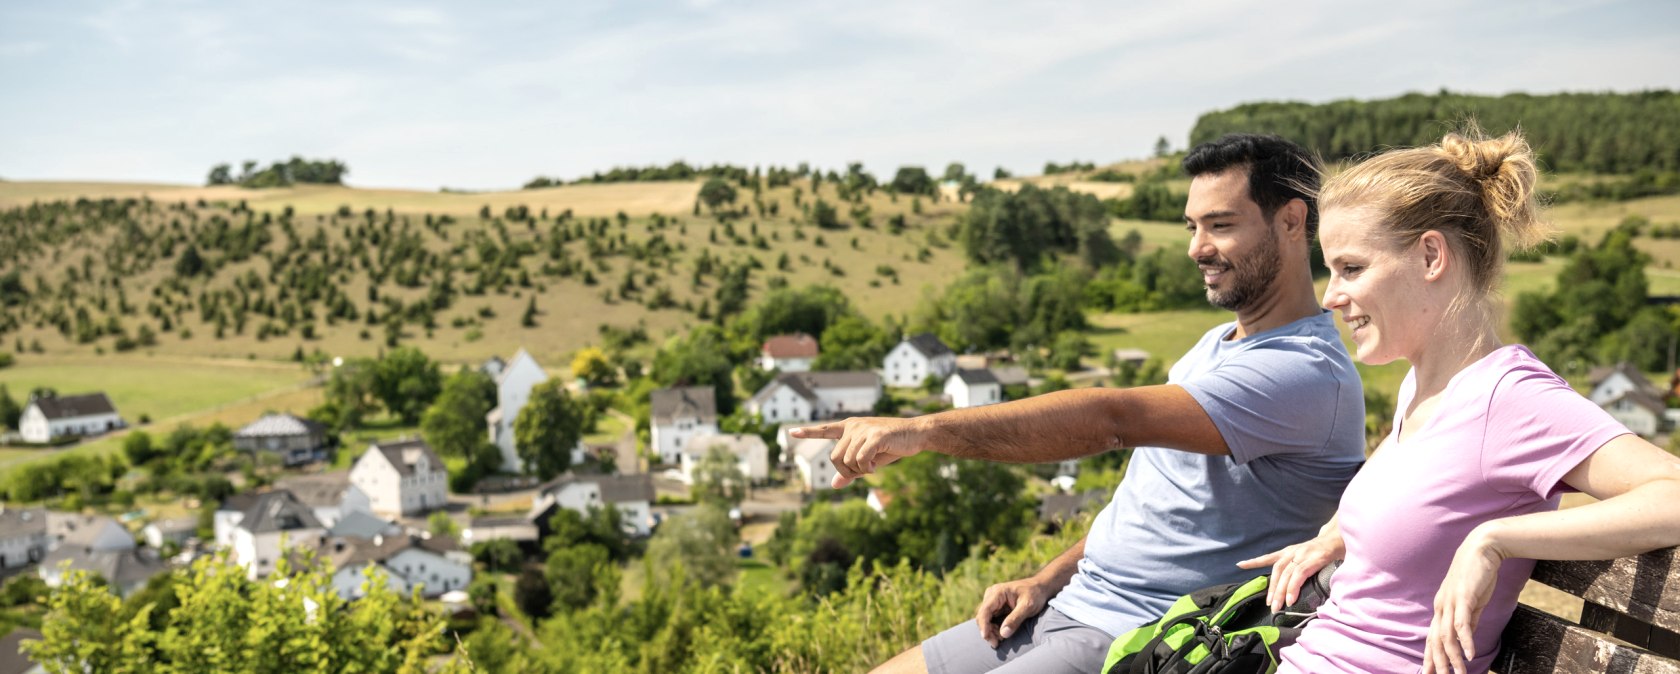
(929, 345)
(614, 488)
(281, 425)
(76, 529)
(69, 407)
(323, 490)
(687, 401)
(404, 455)
(1598, 374)
(1641, 398)
(508, 370)
(811, 449)
(16, 522)
(806, 384)
(278, 510)
(351, 552)
(1010, 375)
(739, 444)
(797, 345)
(121, 567)
(975, 377)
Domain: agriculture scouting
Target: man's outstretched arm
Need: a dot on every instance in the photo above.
(1050, 427)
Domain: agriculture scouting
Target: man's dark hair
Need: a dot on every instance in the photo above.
(1278, 170)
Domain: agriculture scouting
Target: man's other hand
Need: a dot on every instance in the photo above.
(1007, 605)
(864, 444)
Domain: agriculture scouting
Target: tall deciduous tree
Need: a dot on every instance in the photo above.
(407, 382)
(718, 477)
(454, 424)
(700, 541)
(548, 427)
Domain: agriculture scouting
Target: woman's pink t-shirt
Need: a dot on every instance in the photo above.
(1503, 435)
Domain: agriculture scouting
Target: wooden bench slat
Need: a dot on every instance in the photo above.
(1540, 643)
(1631, 630)
(1646, 587)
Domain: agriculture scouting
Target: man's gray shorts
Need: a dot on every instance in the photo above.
(1050, 642)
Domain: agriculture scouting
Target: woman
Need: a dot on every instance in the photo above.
(1439, 530)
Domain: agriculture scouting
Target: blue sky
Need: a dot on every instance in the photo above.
(488, 95)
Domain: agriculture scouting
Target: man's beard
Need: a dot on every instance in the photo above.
(1249, 279)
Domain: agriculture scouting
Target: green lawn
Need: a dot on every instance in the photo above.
(156, 387)
(607, 429)
(758, 576)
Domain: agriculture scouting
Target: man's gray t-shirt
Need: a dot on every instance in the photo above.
(1290, 406)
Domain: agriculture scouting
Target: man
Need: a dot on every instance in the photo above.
(1245, 450)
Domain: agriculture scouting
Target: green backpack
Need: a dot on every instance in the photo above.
(1224, 629)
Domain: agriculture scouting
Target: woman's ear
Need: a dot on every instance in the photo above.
(1436, 257)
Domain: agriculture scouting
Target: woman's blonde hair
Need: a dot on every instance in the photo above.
(1478, 192)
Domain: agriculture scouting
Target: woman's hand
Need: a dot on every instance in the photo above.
(1463, 595)
(1292, 566)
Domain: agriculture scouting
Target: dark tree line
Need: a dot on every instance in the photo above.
(281, 174)
(1591, 132)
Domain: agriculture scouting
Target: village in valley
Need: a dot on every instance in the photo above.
(393, 510)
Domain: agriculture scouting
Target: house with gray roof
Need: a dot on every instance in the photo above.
(95, 532)
(294, 439)
(749, 451)
(805, 396)
(330, 495)
(401, 478)
(811, 458)
(632, 495)
(126, 571)
(514, 382)
(434, 565)
(973, 388)
(678, 414)
(23, 536)
(49, 418)
(260, 533)
(917, 358)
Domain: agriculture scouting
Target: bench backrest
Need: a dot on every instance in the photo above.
(1636, 600)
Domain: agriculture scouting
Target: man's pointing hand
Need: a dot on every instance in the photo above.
(864, 444)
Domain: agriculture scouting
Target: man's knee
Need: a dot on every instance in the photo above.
(908, 662)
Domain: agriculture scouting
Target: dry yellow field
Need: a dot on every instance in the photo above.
(669, 198)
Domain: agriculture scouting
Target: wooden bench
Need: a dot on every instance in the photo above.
(1630, 622)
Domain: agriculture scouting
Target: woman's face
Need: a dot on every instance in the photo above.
(1380, 293)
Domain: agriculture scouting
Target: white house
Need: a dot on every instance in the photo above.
(1630, 398)
(401, 478)
(434, 565)
(631, 494)
(788, 353)
(513, 390)
(1637, 410)
(804, 396)
(750, 452)
(47, 418)
(271, 522)
(330, 495)
(295, 439)
(1610, 382)
(917, 358)
(679, 414)
(973, 388)
(23, 536)
(811, 456)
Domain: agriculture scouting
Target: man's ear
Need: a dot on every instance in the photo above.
(1293, 215)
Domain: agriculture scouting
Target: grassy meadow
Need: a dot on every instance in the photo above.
(569, 311)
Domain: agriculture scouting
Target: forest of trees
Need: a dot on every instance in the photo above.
(1573, 132)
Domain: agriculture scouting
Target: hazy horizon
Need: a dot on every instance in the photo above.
(485, 98)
